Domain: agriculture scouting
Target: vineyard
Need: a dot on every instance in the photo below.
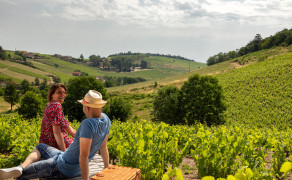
(255, 142)
(154, 147)
(260, 94)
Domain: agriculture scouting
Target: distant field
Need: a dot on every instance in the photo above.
(24, 67)
(175, 65)
(17, 75)
(30, 73)
(19, 72)
(3, 76)
(53, 70)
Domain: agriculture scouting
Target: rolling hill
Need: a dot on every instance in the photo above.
(47, 65)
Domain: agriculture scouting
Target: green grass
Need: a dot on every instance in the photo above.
(3, 65)
(53, 70)
(6, 77)
(176, 65)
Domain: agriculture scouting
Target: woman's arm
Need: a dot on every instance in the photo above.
(59, 137)
(70, 131)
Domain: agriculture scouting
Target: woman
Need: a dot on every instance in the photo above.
(54, 125)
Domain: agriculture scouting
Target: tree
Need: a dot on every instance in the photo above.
(11, 95)
(81, 57)
(56, 79)
(44, 85)
(3, 54)
(25, 86)
(1, 91)
(118, 108)
(77, 88)
(144, 64)
(95, 60)
(166, 106)
(31, 105)
(37, 81)
(84, 74)
(254, 45)
(106, 65)
(202, 100)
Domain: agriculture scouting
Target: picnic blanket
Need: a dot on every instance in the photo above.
(95, 166)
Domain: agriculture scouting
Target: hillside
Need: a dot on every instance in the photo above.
(258, 91)
(47, 65)
(260, 94)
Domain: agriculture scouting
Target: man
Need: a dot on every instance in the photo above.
(91, 136)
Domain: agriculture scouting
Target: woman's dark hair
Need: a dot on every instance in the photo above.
(52, 90)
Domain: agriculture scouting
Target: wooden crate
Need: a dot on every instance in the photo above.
(118, 172)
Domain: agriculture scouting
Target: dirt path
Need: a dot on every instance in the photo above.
(188, 168)
(236, 65)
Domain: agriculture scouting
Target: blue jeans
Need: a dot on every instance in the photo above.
(45, 168)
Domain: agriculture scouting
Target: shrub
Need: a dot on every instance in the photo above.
(166, 105)
(1, 91)
(199, 100)
(118, 108)
(31, 105)
(24, 86)
(202, 100)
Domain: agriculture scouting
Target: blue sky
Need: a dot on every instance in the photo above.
(195, 29)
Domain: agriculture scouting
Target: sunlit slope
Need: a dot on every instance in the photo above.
(260, 94)
(18, 72)
(257, 86)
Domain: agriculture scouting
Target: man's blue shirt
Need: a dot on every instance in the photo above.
(91, 128)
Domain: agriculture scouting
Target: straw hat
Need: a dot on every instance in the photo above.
(93, 99)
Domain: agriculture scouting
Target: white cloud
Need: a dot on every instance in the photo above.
(189, 27)
(45, 14)
(173, 13)
(168, 13)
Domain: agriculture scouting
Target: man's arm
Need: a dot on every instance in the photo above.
(104, 152)
(85, 145)
(59, 137)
